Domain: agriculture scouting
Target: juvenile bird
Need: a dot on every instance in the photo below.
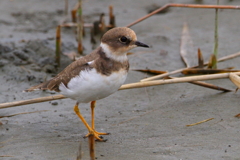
(96, 75)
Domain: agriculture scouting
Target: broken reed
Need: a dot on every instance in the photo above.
(58, 45)
(74, 13)
(200, 59)
(111, 18)
(102, 26)
(186, 46)
(235, 79)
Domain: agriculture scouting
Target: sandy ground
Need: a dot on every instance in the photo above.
(147, 123)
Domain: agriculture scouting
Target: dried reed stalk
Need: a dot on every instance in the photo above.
(199, 83)
(123, 87)
(215, 50)
(211, 86)
(199, 71)
(235, 79)
(58, 45)
(200, 59)
(112, 23)
(74, 12)
(180, 70)
(176, 80)
(80, 27)
(187, 51)
(199, 122)
(91, 140)
(31, 101)
(185, 6)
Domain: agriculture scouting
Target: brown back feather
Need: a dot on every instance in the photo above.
(102, 64)
(69, 72)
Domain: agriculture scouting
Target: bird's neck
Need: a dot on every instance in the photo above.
(116, 56)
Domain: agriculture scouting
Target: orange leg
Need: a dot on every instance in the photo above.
(93, 104)
(91, 130)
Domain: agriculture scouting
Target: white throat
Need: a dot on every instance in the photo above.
(122, 57)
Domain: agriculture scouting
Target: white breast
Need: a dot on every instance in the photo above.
(90, 85)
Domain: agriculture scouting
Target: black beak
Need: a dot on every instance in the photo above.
(140, 44)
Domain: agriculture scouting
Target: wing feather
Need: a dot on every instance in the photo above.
(65, 76)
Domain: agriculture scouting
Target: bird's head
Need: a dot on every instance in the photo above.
(118, 41)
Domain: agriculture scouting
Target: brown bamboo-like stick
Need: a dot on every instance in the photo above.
(80, 27)
(91, 142)
(185, 6)
(211, 86)
(58, 45)
(112, 23)
(201, 71)
(125, 86)
(180, 70)
(212, 61)
(237, 115)
(74, 12)
(176, 80)
(200, 59)
(102, 23)
(31, 101)
(199, 83)
(215, 50)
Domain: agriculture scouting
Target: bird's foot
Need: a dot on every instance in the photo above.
(97, 135)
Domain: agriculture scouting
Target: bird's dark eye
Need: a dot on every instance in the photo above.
(123, 39)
